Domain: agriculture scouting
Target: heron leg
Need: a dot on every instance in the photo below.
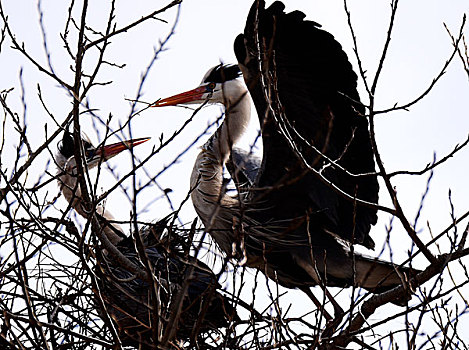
(311, 270)
(331, 322)
(338, 315)
(316, 302)
(338, 311)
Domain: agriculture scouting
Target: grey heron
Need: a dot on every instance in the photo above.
(314, 194)
(129, 299)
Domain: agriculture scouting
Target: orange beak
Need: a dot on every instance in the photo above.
(191, 96)
(109, 151)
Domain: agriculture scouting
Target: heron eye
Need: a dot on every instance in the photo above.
(210, 87)
(89, 153)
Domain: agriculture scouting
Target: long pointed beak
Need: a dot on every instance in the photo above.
(109, 151)
(191, 96)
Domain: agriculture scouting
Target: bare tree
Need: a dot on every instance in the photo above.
(51, 288)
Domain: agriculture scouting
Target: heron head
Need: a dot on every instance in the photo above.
(93, 155)
(219, 85)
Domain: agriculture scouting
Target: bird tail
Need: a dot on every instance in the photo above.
(379, 276)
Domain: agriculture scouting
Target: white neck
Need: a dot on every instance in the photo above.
(214, 207)
(71, 190)
(237, 117)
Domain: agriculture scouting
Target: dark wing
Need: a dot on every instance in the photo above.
(127, 297)
(317, 120)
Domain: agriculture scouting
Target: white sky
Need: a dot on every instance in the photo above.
(204, 37)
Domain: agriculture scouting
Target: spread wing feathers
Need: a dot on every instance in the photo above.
(314, 120)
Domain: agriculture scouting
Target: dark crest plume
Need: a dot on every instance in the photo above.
(222, 73)
(67, 145)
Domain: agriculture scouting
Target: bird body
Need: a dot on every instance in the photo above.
(130, 299)
(303, 211)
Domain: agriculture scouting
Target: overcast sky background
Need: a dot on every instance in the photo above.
(204, 37)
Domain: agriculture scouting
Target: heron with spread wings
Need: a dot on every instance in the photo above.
(299, 211)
